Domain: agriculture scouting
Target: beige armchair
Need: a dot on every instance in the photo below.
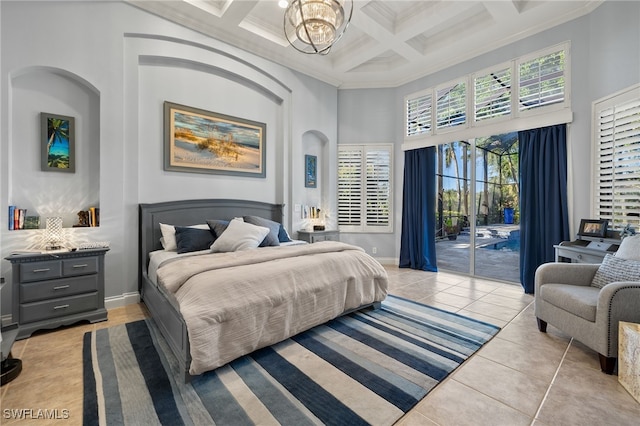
(565, 298)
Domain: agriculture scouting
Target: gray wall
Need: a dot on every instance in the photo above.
(111, 66)
(605, 58)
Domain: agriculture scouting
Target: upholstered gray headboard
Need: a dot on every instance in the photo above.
(192, 212)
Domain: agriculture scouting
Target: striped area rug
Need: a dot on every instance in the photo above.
(369, 367)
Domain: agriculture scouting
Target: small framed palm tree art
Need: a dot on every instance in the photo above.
(58, 143)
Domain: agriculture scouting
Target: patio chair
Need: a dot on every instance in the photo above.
(587, 301)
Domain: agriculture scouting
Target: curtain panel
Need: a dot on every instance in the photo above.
(544, 218)
(418, 239)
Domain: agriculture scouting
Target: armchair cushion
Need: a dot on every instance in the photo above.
(578, 300)
(614, 269)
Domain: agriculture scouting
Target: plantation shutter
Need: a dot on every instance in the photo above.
(419, 115)
(542, 81)
(451, 105)
(378, 177)
(618, 162)
(364, 188)
(492, 95)
(350, 186)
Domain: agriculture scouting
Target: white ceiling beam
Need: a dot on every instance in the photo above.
(236, 11)
(502, 10)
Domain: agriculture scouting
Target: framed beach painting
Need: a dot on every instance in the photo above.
(57, 143)
(200, 141)
(310, 171)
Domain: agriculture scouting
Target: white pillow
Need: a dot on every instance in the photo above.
(239, 236)
(629, 248)
(168, 239)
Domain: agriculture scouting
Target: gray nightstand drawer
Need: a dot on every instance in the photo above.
(37, 311)
(38, 271)
(32, 292)
(80, 266)
(317, 236)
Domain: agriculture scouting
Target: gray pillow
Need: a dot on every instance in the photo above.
(193, 239)
(274, 229)
(613, 269)
(217, 226)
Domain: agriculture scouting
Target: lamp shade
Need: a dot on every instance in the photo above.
(53, 233)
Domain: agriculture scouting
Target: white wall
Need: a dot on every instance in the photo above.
(111, 66)
(605, 58)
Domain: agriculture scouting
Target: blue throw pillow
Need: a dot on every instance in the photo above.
(193, 239)
(283, 235)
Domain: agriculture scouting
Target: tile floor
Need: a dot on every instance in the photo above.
(521, 377)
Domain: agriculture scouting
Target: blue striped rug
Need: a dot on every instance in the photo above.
(369, 367)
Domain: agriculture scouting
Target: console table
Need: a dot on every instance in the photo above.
(58, 288)
(586, 249)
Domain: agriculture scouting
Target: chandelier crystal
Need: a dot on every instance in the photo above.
(313, 26)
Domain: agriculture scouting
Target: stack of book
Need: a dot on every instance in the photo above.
(16, 218)
(94, 216)
(89, 217)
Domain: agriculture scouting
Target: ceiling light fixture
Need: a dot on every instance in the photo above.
(314, 26)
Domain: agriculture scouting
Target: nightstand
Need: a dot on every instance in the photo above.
(315, 236)
(54, 289)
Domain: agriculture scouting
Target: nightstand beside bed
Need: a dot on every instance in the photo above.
(59, 288)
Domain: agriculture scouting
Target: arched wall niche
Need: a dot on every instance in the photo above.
(315, 143)
(209, 79)
(38, 89)
(211, 88)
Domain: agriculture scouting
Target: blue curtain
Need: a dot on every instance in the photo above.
(544, 219)
(418, 240)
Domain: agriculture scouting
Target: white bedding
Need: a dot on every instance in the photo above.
(234, 303)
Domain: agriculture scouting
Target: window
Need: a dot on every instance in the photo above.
(492, 94)
(451, 105)
(418, 114)
(364, 188)
(617, 158)
(526, 92)
(541, 80)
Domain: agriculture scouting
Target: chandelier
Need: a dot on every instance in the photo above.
(313, 26)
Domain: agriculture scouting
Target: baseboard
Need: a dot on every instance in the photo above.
(387, 260)
(122, 300)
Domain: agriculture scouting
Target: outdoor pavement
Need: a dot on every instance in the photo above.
(501, 264)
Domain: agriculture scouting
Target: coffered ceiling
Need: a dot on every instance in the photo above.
(387, 43)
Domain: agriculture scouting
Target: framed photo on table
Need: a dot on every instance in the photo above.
(593, 228)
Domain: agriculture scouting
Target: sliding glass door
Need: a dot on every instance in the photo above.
(478, 207)
(453, 208)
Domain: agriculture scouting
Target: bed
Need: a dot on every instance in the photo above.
(214, 307)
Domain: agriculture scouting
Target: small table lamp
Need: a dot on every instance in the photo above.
(53, 233)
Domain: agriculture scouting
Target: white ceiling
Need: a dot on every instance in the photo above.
(387, 43)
